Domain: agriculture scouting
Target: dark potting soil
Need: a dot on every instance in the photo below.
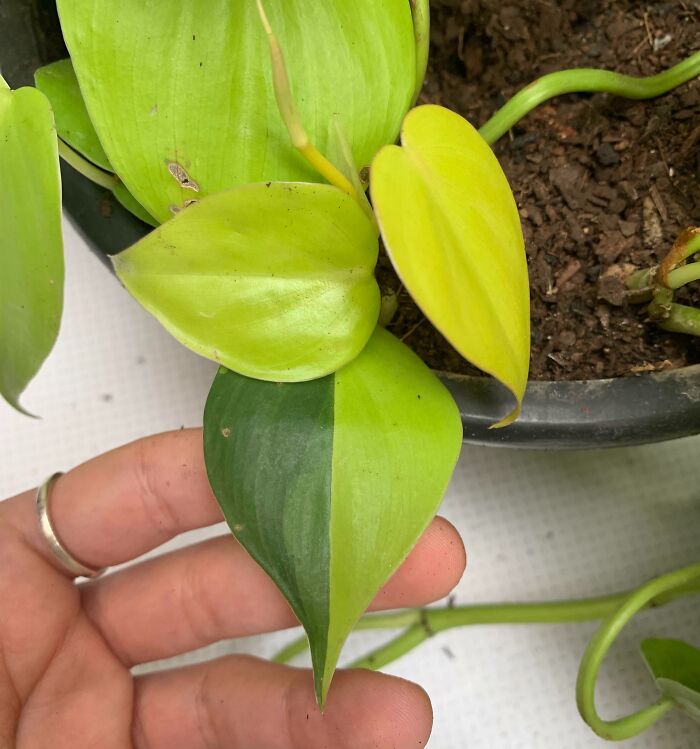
(601, 183)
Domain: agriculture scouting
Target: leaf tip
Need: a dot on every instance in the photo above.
(324, 666)
(321, 691)
(509, 419)
(14, 402)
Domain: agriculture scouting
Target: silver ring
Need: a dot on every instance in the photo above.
(69, 562)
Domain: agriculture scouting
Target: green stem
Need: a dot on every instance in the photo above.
(414, 636)
(391, 620)
(85, 167)
(431, 621)
(692, 247)
(587, 80)
(680, 318)
(636, 723)
(296, 647)
(683, 275)
(290, 115)
(421, 29)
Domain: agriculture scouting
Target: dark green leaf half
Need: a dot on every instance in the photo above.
(273, 280)
(269, 452)
(329, 484)
(58, 82)
(675, 666)
(31, 246)
(181, 93)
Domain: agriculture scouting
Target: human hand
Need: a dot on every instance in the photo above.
(66, 649)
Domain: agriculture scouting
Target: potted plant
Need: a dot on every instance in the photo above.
(557, 413)
(328, 443)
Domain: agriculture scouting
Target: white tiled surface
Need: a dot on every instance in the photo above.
(537, 525)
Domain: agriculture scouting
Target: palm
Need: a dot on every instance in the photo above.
(66, 651)
(72, 686)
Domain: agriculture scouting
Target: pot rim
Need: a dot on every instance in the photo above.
(582, 414)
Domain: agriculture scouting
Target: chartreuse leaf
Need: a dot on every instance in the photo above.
(675, 666)
(328, 484)
(58, 82)
(272, 280)
(451, 228)
(181, 93)
(31, 247)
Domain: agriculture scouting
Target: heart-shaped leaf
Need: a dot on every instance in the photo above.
(31, 249)
(675, 666)
(58, 83)
(272, 280)
(451, 227)
(181, 93)
(328, 484)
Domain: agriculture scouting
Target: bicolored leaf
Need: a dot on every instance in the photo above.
(273, 280)
(675, 666)
(451, 228)
(58, 83)
(328, 484)
(181, 93)
(31, 246)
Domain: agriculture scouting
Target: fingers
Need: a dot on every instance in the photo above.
(123, 503)
(214, 591)
(241, 702)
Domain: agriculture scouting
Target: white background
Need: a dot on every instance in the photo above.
(536, 525)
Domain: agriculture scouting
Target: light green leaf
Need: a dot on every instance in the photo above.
(58, 82)
(675, 666)
(181, 93)
(272, 280)
(31, 249)
(452, 231)
(328, 484)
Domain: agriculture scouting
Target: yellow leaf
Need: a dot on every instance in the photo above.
(451, 228)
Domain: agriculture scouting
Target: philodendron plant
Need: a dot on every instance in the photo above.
(328, 443)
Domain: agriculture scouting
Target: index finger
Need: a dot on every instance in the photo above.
(126, 502)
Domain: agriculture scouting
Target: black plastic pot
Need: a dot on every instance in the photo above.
(556, 415)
